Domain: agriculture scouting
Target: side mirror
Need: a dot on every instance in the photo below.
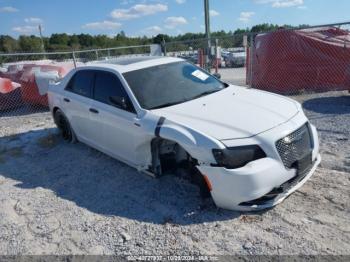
(217, 75)
(119, 102)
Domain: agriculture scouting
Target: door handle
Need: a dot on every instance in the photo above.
(66, 100)
(93, 110)
(137, 122)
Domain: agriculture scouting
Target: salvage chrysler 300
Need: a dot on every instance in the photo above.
(245, 148)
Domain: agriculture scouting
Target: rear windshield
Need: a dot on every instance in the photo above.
(170, 84)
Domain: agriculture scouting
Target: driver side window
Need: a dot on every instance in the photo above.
(81, 83)
(107, 86)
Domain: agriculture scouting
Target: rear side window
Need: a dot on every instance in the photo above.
(108, 85)
(81, 83)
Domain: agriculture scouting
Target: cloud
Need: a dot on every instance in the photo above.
(137, 11)
(127, 2)
(281, 3)
(33, 20)
(8, 9)
(214, 13)
(31, 28)
(180, 1)
(287, 3)
(27, 29)
(175, 21)
(104, 25)
(246, 16)
(302, 7)
(153, 30)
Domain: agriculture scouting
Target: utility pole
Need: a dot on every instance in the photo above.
(207, 31)
(42, 40)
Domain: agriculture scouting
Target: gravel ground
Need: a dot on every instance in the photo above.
(235, 76)
(59, 198)
(330, 113)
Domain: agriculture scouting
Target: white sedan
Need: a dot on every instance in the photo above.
(245, 148)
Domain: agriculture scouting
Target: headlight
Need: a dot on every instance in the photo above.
(236, 157)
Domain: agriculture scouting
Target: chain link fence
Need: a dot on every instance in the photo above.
(21, 74)
(225, 56)
(295, 62)
(286, 61)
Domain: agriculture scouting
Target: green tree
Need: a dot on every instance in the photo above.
(264, 28)
(59, 39)
(86, 40)
(29, 43)
(8, 44)
(61, 42)
(73, 42)
(101, 41)
(160, 37)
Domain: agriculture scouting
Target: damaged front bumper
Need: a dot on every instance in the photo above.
(259, 185)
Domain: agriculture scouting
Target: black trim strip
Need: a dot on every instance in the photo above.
(159, 126)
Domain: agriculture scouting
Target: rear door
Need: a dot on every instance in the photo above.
(116, 132)
(77, 101)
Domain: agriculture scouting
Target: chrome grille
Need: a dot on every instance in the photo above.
(295, 146)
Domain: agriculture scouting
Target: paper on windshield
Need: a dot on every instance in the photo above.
(200, 75)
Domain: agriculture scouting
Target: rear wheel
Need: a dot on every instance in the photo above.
(64, 126)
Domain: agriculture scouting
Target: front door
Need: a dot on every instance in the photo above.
(115, 127)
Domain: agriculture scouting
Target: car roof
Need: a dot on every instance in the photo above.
(130, 60)
(128, 64)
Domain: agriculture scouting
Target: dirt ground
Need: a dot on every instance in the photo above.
(59, 198)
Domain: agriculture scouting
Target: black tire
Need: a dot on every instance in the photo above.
(64, 126)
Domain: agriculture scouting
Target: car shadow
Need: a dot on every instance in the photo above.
(329, 105)
(101, 184)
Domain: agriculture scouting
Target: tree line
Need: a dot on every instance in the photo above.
(65, 42)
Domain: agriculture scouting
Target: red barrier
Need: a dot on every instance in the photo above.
(14, 72)
(313, 60)
(10, 96)
(201, 58)
(30, 91)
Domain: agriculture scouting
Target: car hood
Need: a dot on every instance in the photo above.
(235, 112)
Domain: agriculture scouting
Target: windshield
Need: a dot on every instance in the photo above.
(170, 84)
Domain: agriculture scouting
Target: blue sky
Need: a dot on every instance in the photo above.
(150, 17)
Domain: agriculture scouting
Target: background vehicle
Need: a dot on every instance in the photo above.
(235, 59)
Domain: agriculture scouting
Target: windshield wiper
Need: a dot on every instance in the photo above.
(183, 101)
(167, 104)
(206, 93)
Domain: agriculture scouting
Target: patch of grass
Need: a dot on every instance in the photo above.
(49, 141)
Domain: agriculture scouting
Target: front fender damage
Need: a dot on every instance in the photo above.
(180, 150)
(197, 144)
